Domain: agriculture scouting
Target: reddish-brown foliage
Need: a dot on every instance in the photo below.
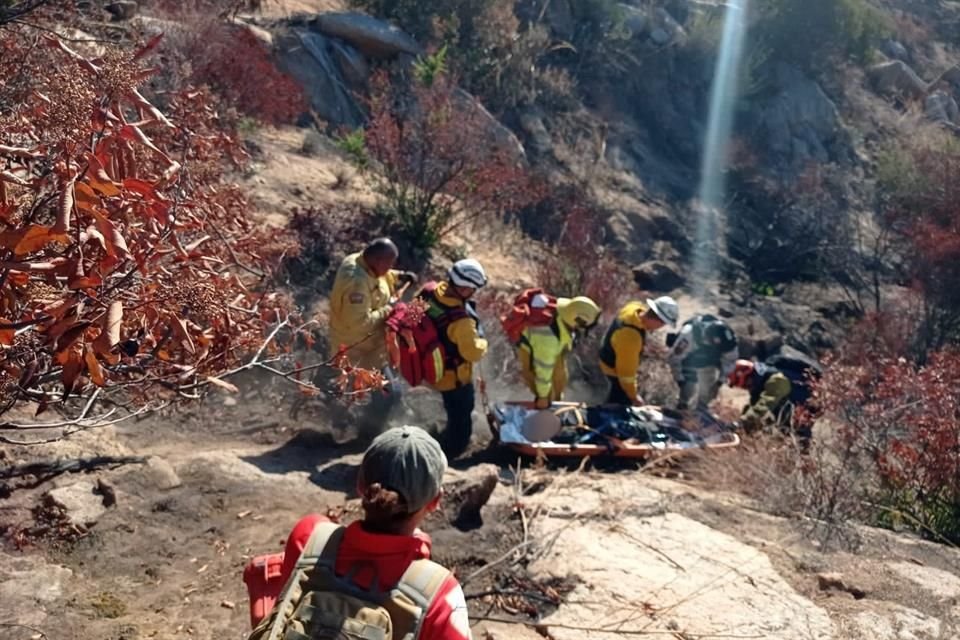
(924, 210)
(580, 265)
(905, 421)
(200, 49)
(439, 161)
(126, 259)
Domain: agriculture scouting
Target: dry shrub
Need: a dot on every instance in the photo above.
(204, 50)
(433, 157)
(823, 489)
(128, 261)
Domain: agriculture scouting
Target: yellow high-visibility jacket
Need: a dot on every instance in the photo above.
(462, 337)
(359, 305)
(542, 353)
(622, 347)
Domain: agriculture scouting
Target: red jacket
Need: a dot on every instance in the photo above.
(447, 617)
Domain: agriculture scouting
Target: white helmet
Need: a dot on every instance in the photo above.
(467, 273)
(666, 309)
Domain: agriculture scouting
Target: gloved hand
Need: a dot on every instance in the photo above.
(638, 401)
(407, 277)
(542, 403)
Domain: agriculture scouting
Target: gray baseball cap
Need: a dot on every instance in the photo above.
(406, 460)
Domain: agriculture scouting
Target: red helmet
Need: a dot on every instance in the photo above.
(742, 372)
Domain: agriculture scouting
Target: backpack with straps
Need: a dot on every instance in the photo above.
(524, 314)
(801, 370)
(415, 339)
(316, 604)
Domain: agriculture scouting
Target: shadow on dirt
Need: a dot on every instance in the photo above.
(310, 451)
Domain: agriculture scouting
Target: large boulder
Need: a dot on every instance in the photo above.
(940, 106)
(351, 63)
(308, 58)
(895, 50)
(658, 276)
(374, 38)
(801, 123)
(498, 136)
(895, 77)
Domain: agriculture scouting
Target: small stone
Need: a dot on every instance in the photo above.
(122, 9)
(81, 503)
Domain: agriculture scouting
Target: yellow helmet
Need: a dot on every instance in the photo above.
(578, 313)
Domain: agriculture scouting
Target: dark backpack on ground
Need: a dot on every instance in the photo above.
(802, 371)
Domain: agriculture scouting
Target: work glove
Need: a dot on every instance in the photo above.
(406, 277)
(542, 403)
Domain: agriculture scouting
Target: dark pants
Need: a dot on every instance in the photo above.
(617, 395)
(459, 405)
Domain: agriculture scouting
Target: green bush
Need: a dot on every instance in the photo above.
(810, 33)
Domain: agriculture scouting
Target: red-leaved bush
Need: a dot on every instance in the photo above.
(128, 261)
(579, 263)
(201, 49)
(922, 207)
(903, 422)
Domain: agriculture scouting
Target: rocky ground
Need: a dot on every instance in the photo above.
(156, 549)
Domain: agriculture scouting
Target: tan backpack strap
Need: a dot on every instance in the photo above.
(322, 546)
(421, 582)
(320, 550)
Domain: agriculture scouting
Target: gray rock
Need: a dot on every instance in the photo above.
(374, 38)
(532, 124)
(122, 9)
(659, 36)
(635, 19)
(81, 503)
(352, 64)
(801, 123)
(307, 58)
(895, 77)
(895, 50)
(754, 336)
(835, 582)
(658, 276)
(665, 29)
(940, 106)
(161, 474)
(499, 136)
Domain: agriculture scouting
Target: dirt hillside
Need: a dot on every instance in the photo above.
(155, 548)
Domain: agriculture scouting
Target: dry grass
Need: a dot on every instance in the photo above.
(823, 490)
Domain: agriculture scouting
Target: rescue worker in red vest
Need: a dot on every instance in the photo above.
(543, 350)
(454, 313)
(702, 356)
(363, 291)
(624, 341)
(400, 482)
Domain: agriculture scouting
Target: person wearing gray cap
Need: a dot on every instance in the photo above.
(385, 555)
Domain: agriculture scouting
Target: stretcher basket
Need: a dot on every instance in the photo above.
(564, 430)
